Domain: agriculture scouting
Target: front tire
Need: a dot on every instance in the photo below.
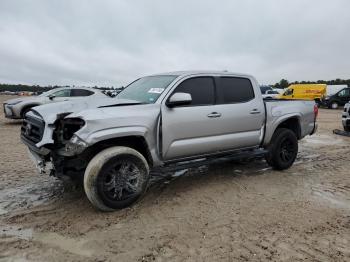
(115, 178)
(283, 149)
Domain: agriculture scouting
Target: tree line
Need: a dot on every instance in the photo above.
(284, 83)
(36, 88)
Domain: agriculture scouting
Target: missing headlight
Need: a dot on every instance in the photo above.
(65, 128)
(70, 126)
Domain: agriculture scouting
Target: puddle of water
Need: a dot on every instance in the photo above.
(71, 245)
(330, 198)
(323, 140)
(2, 210)
(33, 194)
(68, 244)
(11, 231)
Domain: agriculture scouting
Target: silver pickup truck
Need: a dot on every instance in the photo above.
(163, 122)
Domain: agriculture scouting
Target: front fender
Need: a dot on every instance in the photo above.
(110, 133)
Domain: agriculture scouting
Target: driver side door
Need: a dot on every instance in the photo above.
(188, 129)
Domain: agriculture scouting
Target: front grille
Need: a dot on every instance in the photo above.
(33, 129)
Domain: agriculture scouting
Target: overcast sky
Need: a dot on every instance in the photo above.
(113, 42)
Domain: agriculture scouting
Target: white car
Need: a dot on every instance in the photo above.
(16, 108)
(270, 94)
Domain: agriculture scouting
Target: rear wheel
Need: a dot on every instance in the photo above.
(115, 178)
(347, 128)
(334, 105)
(283, 149)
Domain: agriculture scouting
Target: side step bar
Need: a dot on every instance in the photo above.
(209, 160)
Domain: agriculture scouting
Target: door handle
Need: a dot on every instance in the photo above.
(255, 111)
(214, 114)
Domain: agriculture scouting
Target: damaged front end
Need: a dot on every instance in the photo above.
(67, 143)
(55, 148)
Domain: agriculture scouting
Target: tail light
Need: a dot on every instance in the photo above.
(315, 111)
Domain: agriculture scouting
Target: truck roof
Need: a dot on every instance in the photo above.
(204, 72)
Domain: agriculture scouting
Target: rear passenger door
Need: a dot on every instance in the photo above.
(242, 112)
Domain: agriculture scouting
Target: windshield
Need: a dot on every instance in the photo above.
(146, 89)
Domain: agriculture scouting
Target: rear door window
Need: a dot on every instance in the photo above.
(235, 90)
(202, 90)
(81, 92)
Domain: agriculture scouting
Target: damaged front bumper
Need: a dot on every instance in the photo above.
(40, 157)
(43, 166)
(60, 163)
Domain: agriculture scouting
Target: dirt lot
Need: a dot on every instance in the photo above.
(231, 212)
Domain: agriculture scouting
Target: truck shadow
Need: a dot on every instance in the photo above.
(207, 174)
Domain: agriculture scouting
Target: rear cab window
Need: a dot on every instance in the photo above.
(234, 90)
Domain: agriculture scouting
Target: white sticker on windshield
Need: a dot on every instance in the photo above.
(156, 90)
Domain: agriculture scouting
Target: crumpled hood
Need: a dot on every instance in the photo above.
(49, 112)
(22, 98)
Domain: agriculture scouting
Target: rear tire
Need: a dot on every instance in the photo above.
(283, 149)
(347, 128)
(333, 105)
(115, 178)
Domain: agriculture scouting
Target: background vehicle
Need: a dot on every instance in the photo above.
(333, 89)
(305, 91)
(163, 122)
(271, 94)
(338, 99)
(17, 107)
(265, 88)
(346, 117)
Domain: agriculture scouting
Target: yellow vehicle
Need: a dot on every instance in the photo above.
(304, 91)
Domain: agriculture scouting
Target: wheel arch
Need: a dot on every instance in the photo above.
(293, 124)
(136, 142)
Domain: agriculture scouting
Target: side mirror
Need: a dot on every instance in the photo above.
(51, 97)
(179, 99)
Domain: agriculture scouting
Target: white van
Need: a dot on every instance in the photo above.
(333, 89)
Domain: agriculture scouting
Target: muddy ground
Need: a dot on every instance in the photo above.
(231, 212)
